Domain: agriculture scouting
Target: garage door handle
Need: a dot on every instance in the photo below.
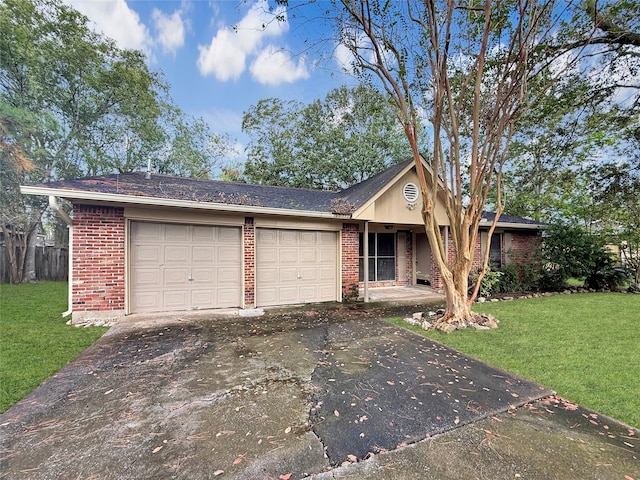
(299, 276)
(190, 278)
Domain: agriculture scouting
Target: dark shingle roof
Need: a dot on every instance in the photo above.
(197, 190)
(359, 193)
(504, 218)
(231, 193)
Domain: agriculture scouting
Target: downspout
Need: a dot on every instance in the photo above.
(53, 203)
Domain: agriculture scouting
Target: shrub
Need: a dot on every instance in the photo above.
(571, 251)
(551, 280)
(529, 275)
(489, 283)
(509, 280)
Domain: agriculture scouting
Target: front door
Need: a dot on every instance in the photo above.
(423, 259)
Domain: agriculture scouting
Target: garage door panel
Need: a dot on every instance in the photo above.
(326, 293)
(267, 237)
(268, 276)
(176, 254)
(308, 274)
(308, 255)
(202, 298)
(205, 254)
(288, 256)
(177, 233)
(176, 299)
(228, 255)
(326, 275)
(288, 294)
(308, 293)
(146, 232)
(147, 277)
(164, 257)
(175, 276)
(268, 256)
(203, 234)
(147, 253)
(203, 275)
(287, 275)
(295, 266)
(228, 235)
(326, 256)
(308, 238)
(142, 301)
(267, 296)
(228, 296)
(229, 275)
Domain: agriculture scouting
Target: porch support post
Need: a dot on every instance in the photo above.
(365, 266)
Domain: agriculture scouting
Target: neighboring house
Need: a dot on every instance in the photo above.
(146, 242)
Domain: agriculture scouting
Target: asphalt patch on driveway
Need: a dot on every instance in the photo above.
(380, 387)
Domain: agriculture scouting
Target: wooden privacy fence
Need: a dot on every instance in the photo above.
(52, 263)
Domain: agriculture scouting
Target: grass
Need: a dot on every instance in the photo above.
(35, 342)
(586, 347)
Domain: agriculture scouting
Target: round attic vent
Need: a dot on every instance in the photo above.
(410, 192)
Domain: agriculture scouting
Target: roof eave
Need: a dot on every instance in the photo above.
(520, 226)
(119, 199)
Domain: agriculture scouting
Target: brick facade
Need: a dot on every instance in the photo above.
(350, 264)
(98, 258)
(249, 249)
(523, 247)
(98, 283)
(517, 248)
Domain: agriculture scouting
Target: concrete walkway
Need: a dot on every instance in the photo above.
(329, 392)
(415, 293)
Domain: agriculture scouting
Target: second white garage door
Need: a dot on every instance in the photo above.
(295, 266)
(181, 267)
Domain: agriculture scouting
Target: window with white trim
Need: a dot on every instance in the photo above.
(382, 257)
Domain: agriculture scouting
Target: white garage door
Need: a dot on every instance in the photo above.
(181, 267)
(295, 266)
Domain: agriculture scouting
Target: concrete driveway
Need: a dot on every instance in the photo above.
(332, 392)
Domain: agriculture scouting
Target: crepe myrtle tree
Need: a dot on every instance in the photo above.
(473, 69)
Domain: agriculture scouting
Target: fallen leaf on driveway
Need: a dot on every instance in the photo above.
(336, 413)
(456, 420)
(238, 460)
(285, 476)
(287, 430)
(218, 472)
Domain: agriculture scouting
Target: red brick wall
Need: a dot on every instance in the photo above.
(523, 247)
(249, 242)
(409, 257)
(350, 266)
(98, 258)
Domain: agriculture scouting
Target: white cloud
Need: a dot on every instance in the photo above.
(170, 28)
(226, 56)
(116, 20)
(273, 67)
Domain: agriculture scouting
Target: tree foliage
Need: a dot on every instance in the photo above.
(329, 144)
(476, 71)
(72, 103)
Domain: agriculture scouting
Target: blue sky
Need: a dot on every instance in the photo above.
(217, 71)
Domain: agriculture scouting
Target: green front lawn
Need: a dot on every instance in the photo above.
(586, 347)
(34, 340)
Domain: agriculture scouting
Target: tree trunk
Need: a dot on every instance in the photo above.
(29, 274)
